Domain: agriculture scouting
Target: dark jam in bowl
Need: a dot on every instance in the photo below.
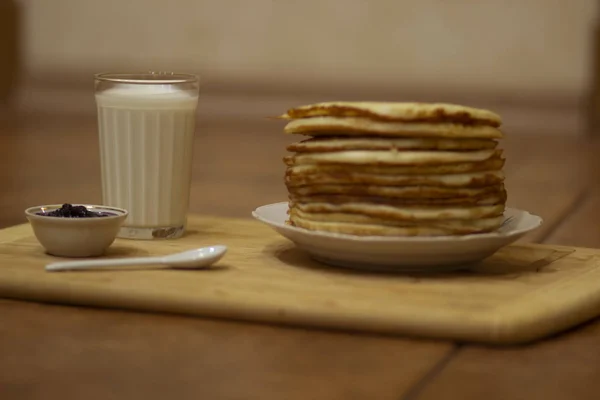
(71, 211)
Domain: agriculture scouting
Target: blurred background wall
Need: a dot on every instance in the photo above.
(532, 60)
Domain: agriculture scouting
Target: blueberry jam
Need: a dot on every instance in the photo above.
(71, 211)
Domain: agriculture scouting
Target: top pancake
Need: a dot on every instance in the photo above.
(399, 112)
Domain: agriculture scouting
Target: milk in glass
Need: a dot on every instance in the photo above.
(146, 135)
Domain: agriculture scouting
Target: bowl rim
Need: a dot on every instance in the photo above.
(121, 213)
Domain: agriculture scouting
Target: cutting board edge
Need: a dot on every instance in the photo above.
(510, 319)
(483, 331)
(288, 323)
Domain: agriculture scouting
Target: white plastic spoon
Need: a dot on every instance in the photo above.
(197, 258)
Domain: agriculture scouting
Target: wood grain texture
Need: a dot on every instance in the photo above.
(582, 227)
(547, 176)
(564, 367)
(52, 352)
(521, 293)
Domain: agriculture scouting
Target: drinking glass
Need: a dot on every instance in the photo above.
(146, 125)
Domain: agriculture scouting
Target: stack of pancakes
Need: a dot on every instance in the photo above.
(395, 169)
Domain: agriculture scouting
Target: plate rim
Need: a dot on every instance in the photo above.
(380, 239)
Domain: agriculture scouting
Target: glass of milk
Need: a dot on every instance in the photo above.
(146, 126)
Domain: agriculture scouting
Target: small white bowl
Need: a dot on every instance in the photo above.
(75, 237)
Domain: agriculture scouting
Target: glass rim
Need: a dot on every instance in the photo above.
(146, 78)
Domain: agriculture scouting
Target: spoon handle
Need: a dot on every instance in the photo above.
(88, 264)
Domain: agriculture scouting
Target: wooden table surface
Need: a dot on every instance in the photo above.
(51, 351)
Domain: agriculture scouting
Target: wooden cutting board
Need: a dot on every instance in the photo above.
(522, 293)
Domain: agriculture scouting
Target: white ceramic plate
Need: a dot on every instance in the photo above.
(432, 254)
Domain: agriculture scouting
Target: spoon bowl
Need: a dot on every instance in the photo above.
(190, 259)
(197, 258)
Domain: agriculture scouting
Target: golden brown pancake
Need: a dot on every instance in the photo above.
(439, 228)
(403, 112)
(328, 144)
(349, 176)
(357, 218)
(413, 158)
(403, 192)
(355, 126)
(481, 200)
(403, 213)
(494, 163)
